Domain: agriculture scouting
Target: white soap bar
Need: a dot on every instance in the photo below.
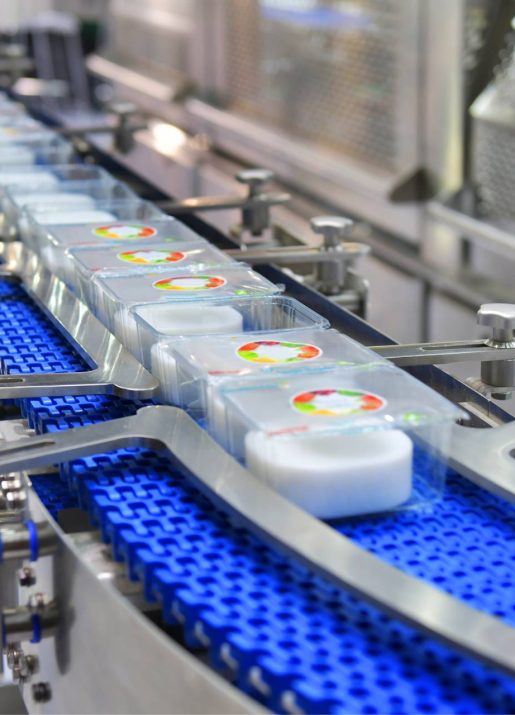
(38, 179)
(332, 475)
(67, 217)
(50, 202)
(168, 319)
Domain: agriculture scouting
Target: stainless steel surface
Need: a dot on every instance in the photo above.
(116, 370)
(500, 317)
(255, 207)
(443, 353)
(282, 524)
(147, 671)
(486, 457)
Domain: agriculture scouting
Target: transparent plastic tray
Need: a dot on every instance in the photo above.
(340, 442)
(192, 370)
(53, 150)
(141, 257)
(72, 194)
(157, 294)
(231, 317)
(125, 225)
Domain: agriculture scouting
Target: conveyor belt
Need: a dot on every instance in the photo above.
(292, 639)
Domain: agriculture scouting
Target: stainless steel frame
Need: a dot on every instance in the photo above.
(116, 370)
(281, 524)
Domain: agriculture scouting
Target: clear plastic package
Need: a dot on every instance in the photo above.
(341, 442)
(71, 194)
(192, 370)
(21, 134)
(141, 257)
(19, 120)
(126, 224)
(227, 317)
(157, 295)
(53, 150)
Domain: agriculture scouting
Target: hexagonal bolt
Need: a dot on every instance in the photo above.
(26, 576)
(41, 692)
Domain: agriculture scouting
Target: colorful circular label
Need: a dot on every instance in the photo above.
(336, 402)
(273, 352)
(146, 257)
(190, 283)
(122, 231)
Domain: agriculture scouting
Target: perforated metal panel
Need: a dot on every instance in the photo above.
(155, 39)
(327, 71)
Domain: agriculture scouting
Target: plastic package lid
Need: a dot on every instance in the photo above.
(20, 135)
(30, 179)
(236, 280)
(52, 150)
(343, 399)
(145, 256)
(221, 358)
(254, 353)
(117, 233)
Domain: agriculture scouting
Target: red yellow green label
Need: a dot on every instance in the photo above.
(337, 402)
(124, 231)
(193, 283)
(146, 257)
(273, 352)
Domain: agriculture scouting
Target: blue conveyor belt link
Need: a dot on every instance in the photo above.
(293, 637)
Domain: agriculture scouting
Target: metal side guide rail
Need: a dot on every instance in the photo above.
(486, 456)
(116, 370)
(280, 523)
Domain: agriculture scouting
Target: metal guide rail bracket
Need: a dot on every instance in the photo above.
(116, 371)
(281, 524)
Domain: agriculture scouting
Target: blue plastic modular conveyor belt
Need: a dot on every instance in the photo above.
(286, 637)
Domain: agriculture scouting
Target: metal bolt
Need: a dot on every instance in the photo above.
(500, 317)
(26, 576)
(41, 692)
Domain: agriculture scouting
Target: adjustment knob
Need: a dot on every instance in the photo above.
(501, 318)
(255, 179)
(334, 229)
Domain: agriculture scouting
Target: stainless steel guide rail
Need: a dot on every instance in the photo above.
(116, 371)
(486, 457)
(281, 524)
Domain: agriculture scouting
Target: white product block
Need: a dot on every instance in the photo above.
(333, 476)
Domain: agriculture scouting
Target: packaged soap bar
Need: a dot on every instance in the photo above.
(64, 193)
(204, 365)
(53, 150)
(22, 134)
(138, 225)
(19, 120)
(344, 441)
(142, 257)
(160, 326)
(117, 294)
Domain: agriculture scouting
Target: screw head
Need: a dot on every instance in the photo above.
(500, 316)
(41, 692)
(254, 178)
(26, 576)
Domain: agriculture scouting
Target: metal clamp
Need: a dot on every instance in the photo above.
(496, 353)
(333, 261)
(116, 371)
(255, 207)
(123, 129)
(281, 524)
